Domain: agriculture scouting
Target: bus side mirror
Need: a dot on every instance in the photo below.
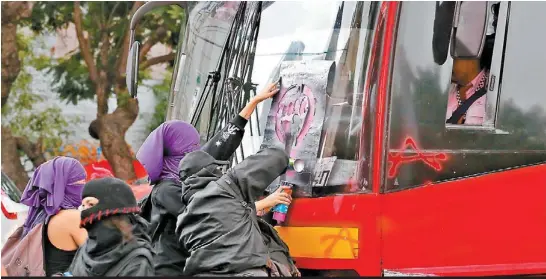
(131, 72)
(441, 31)
(469, 29)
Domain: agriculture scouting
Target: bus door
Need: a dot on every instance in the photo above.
(464, 190)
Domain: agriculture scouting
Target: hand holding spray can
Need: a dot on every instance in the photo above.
(280, 210)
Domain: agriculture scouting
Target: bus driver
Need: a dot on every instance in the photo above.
(470, 77)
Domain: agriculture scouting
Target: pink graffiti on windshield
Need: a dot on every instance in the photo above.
(295, 101)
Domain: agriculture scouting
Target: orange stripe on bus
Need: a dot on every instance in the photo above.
(321, 242)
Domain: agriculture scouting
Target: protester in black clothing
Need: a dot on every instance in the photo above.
(219, 227)
(197, 170)
(160, 154)
(174, 140)
(118, 244)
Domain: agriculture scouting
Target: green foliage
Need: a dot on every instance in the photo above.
(26, 45)
(21, 112)
(71, 79)
(50, 15)
(161, 92)
(25, 119)
(105, 18)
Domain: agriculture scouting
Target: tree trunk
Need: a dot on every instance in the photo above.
(11, 162)
(33, 150)
(12, 12)
(10, 60)
(112, 129)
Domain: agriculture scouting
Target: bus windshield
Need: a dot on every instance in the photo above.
(342, 32)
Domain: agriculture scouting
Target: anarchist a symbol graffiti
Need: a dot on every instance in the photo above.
(396, 159)
(344, 235)
(295, 101)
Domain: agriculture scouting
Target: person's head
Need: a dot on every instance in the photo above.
(198, 160)
(465, 70)
(105, 198)
(163, 149)
(196, 170)
(55, 185)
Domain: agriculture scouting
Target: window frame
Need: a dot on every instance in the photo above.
(494, 81)
(178, 69)
(458, 152)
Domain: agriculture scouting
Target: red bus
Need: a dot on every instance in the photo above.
(407, 191)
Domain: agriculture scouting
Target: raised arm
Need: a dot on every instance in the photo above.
(224, 143)
(268, 92)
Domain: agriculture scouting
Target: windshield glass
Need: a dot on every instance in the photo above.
(341, 32)
(206, 31)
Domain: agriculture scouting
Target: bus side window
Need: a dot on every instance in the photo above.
(421, 148)
(522, 94)
(472, 94)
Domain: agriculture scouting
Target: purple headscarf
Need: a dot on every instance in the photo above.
(56, 184)
(165, 147)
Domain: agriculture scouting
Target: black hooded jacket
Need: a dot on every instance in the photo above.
(166, 203)
(219, 227)
(105, 249)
